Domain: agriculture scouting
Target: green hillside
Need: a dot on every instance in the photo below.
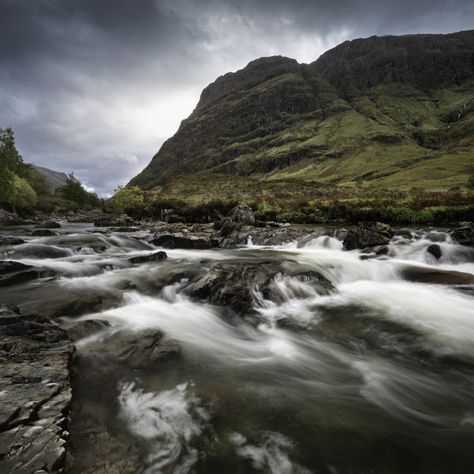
(384, 113)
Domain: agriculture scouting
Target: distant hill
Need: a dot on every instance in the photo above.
(389, 112)
(55, 178)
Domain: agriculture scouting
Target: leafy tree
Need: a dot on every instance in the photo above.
(22, 196)
(129, 200)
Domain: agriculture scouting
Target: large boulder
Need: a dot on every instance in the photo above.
(234, 284)
(35, 360)
(368, 234)
(463, 235)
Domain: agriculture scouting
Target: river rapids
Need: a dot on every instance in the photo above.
(344, 363)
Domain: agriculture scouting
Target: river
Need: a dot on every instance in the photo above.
(342, 364)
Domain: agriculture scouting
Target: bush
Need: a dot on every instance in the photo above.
(22, 196)
(127, 200)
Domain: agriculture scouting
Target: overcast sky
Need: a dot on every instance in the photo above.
(96, 86)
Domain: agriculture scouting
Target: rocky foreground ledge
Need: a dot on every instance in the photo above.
(35, 396)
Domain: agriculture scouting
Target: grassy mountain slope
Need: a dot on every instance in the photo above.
(390, 112)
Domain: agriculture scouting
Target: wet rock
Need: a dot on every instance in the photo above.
(242, 214)
(183, 240)
(383, 250)
(15, 273)
(114, 221)
(50, 225)
(96, 451)
(434, 275)
(74, 303)
(35, 359)
(368, 234)
(152, 257)
(40, 251)
(85, 328)
(11, 241)
(9, 218)
(405, 233)
(234, 284)
(43, 233)
(265, 236)
(436, 236)
(464, 235)
(135, 348)
(435, 251)
(125, 229)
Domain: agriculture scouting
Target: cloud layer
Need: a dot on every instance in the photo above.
(95, 87)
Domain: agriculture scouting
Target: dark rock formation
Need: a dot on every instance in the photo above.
(35, 357)
(233, 284)
(431, 275)
(368, 235)
(464, 235)
(152, 257)
(11, 241)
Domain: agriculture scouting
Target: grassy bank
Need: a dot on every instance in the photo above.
(202, 198)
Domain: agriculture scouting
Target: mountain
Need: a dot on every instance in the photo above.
(55, 178)
(391, 112)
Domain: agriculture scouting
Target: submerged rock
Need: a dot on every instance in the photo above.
(40, 251)
(74, 303)
(15, 273)
(11, 241)
(434, 275)
(43, 233)
(135, 348)
(35, 358)
(50, 225)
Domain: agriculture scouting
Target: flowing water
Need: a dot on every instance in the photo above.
(374, 376)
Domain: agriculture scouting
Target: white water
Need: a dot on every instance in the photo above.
(310, 350)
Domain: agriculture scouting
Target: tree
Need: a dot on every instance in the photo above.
(73, 191)
(11, 164)
(130, 200)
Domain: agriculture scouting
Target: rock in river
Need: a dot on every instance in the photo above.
(35, 358)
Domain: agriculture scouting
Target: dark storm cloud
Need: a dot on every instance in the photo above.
(96, 86)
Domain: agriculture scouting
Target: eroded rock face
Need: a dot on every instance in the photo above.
(35, 358)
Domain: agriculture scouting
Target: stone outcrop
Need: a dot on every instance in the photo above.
(35, 395)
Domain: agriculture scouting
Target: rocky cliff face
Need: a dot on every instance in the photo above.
(383, 110)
